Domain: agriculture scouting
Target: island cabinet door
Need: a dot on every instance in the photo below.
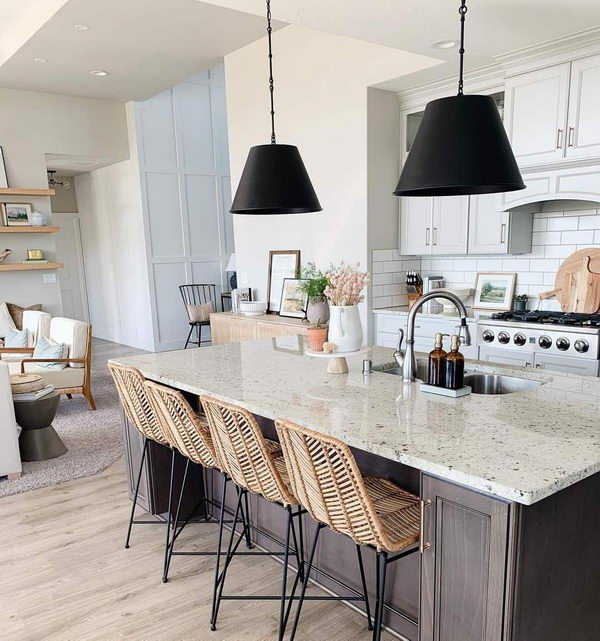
(464, 564)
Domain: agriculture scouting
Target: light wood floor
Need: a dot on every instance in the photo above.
(65, 575)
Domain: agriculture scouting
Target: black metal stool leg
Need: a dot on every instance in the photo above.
(361, 567)
(246, 519)
(381, 572)
(169, 508)
(218, 563)
(171, 545)
(135, 495)
(220, 582)
(188, 337)
(286, 558)
(305, 582)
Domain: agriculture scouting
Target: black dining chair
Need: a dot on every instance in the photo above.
(194, 297)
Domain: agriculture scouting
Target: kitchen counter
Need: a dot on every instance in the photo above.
(522, 447)
(473, 314)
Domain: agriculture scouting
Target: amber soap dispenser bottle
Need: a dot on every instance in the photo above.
(454, 366)
(436, 374)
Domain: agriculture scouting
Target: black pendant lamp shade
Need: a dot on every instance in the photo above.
(274, 180)
(461, 146)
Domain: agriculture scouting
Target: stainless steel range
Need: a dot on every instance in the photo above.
(545, 340)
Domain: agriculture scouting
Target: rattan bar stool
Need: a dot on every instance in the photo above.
(255, 465)
(140, 413)
(372, 511)
(190, 435)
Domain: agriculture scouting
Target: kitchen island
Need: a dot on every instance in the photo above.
(512, 528)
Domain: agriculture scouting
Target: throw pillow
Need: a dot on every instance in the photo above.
(200, 313)
(17, 338)
(47, 348)
(17, 312)
(6, 320)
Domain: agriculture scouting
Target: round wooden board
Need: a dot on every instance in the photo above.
(24, 383)
(577, 282)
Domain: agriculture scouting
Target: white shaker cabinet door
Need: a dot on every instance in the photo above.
(415, 226)
(506, 356)
(488, 227)
(450, 223)
(536, 114)
(583, 133)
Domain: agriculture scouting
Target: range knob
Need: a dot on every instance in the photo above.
(545, 342)
(563, 344)
(581, 345)
(503, 337)
(519, 339)
(488, 336)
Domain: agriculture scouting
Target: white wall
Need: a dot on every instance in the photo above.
(114, 249)
(184, 167)
(321, 85)
(31, 125)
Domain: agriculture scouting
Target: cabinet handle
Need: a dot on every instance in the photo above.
(427, 232)
(502, 233)
(435, 235)
(570, 139)
(559, 135)
(423, 546)
(538, 365)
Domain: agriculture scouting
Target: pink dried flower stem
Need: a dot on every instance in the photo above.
(345, 284)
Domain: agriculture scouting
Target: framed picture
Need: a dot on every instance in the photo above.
(293, 299)
(3, 178)
(17, 213)
(494, 290)
(239, 295)
(284, 263)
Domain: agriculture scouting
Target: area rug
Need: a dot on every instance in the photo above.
(94, 440)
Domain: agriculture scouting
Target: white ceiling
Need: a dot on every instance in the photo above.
(146, 45)
(149, 45)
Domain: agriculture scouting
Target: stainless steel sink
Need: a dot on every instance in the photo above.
(497, 384)
(420, 374)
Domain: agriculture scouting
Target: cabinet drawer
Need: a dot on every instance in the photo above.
(390, 323)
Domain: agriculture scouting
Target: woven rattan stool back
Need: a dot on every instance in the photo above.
(323, 474)
(243, 451)
(188, 433)
(134, 399)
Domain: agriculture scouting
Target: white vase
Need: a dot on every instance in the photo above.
(345, 329)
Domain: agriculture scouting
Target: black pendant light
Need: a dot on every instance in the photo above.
(274, 180)
(461, 146)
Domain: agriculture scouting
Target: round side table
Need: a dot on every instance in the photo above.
(38, 440)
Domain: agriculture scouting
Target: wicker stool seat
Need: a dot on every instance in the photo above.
(372, 511)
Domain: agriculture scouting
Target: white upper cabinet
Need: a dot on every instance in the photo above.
(583, 133)
(536, 114)
(415, 226)
(449, 225)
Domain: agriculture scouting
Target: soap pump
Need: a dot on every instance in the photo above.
(436, 373)
(454, 366)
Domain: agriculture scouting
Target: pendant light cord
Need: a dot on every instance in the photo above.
(269, 31)
(463, 12)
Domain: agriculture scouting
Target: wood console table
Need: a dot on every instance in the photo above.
(227, 327)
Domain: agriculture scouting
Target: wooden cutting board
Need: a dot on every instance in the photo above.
(577, 282)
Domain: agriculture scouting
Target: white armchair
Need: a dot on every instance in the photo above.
(10, 458)
(76, 377)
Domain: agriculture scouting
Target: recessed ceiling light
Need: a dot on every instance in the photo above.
(444, 44)
(40, 60)
(100, 73)
(80, 27)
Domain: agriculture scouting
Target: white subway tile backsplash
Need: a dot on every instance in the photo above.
(534, 290)
(377, 290)
(540, 224)
(530, 278)
(396, 255)
(392, 266)
(589, 222)
(585, 212)
(489, 265)
(382, 301)
(393, 290)
(546, 237)
(560, 251)
(575, 237)
(597, 237)
(549, 278)
(383, 254)
(414, 264)
(564, 223)
(468, 264)
(544, 264)
(398, 301)
(515, 264)
(382, 279)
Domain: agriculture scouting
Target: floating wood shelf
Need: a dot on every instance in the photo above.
(23, 229)
(20, 267)
(14, 191)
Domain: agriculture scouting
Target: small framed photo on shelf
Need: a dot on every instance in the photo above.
(283, 263)
(15, 214)
(293, 299)
(3, 178)
(494, 290)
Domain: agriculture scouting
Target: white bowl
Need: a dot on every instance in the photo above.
(252, 308)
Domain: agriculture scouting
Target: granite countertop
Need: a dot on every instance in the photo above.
(522, 447)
